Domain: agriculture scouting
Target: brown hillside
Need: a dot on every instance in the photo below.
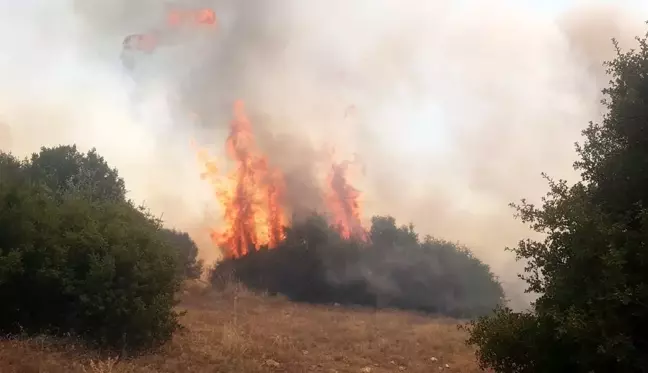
(235, 331)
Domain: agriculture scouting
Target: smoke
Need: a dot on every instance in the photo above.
(457, 107)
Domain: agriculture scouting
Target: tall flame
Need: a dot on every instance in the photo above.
(343, 202)
(251, 195)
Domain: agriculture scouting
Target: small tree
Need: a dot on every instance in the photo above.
(591, 267)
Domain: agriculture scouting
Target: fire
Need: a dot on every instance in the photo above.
(253, 200)
(251, 194)
(204, 16)
(343, 202)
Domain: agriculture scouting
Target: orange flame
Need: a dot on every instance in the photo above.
(251, 195)
(204, 16)
(343, 202)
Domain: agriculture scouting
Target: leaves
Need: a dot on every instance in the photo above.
(76, 257)
(64, 170)
(187, 251)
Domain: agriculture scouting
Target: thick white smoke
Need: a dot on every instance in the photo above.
(453, 107)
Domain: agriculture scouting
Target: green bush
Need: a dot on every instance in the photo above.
(396, 270)
(63, 169)
(74, 262)
(11, 169)
(590, 270)
(187, 251)
(519, 342)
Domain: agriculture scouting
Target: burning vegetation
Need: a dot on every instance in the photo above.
(252, 195)
(301, 234)
(330, 256)
(343, 202)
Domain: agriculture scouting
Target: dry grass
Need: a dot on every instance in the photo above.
(235, 331)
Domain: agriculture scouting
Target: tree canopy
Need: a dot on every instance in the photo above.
(591, 269)
(76, 257)
(64, 169)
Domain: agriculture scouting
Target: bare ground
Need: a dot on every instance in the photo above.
(238, 332)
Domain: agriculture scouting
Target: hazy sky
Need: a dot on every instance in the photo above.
(460, 104)
(430, 119)
(554, 7)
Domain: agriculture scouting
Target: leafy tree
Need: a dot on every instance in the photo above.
(592, 267)
(74, 262)
(11, 169)
(187, 251)
(64, 169)
(396, 269)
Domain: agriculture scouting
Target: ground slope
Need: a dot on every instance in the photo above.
(235, 331)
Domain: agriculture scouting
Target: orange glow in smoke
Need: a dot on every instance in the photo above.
(204, 16)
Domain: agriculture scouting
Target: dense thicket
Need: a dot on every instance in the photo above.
(189, 265)
(77, 258)
(592, 268)
(397, 269)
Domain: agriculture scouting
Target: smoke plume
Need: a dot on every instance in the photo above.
(453, 108)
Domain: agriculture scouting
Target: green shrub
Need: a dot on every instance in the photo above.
(188, 264)
(96, 267)
(11, 169)
(519, 343)
(63, 169)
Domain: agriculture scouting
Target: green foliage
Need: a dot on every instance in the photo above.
(591, 267)
(519, 342)
(77, 258)
(187, 251)
(64, 169)
(314, 264)
(11, 169)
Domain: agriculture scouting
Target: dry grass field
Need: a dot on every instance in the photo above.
(236, 331)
